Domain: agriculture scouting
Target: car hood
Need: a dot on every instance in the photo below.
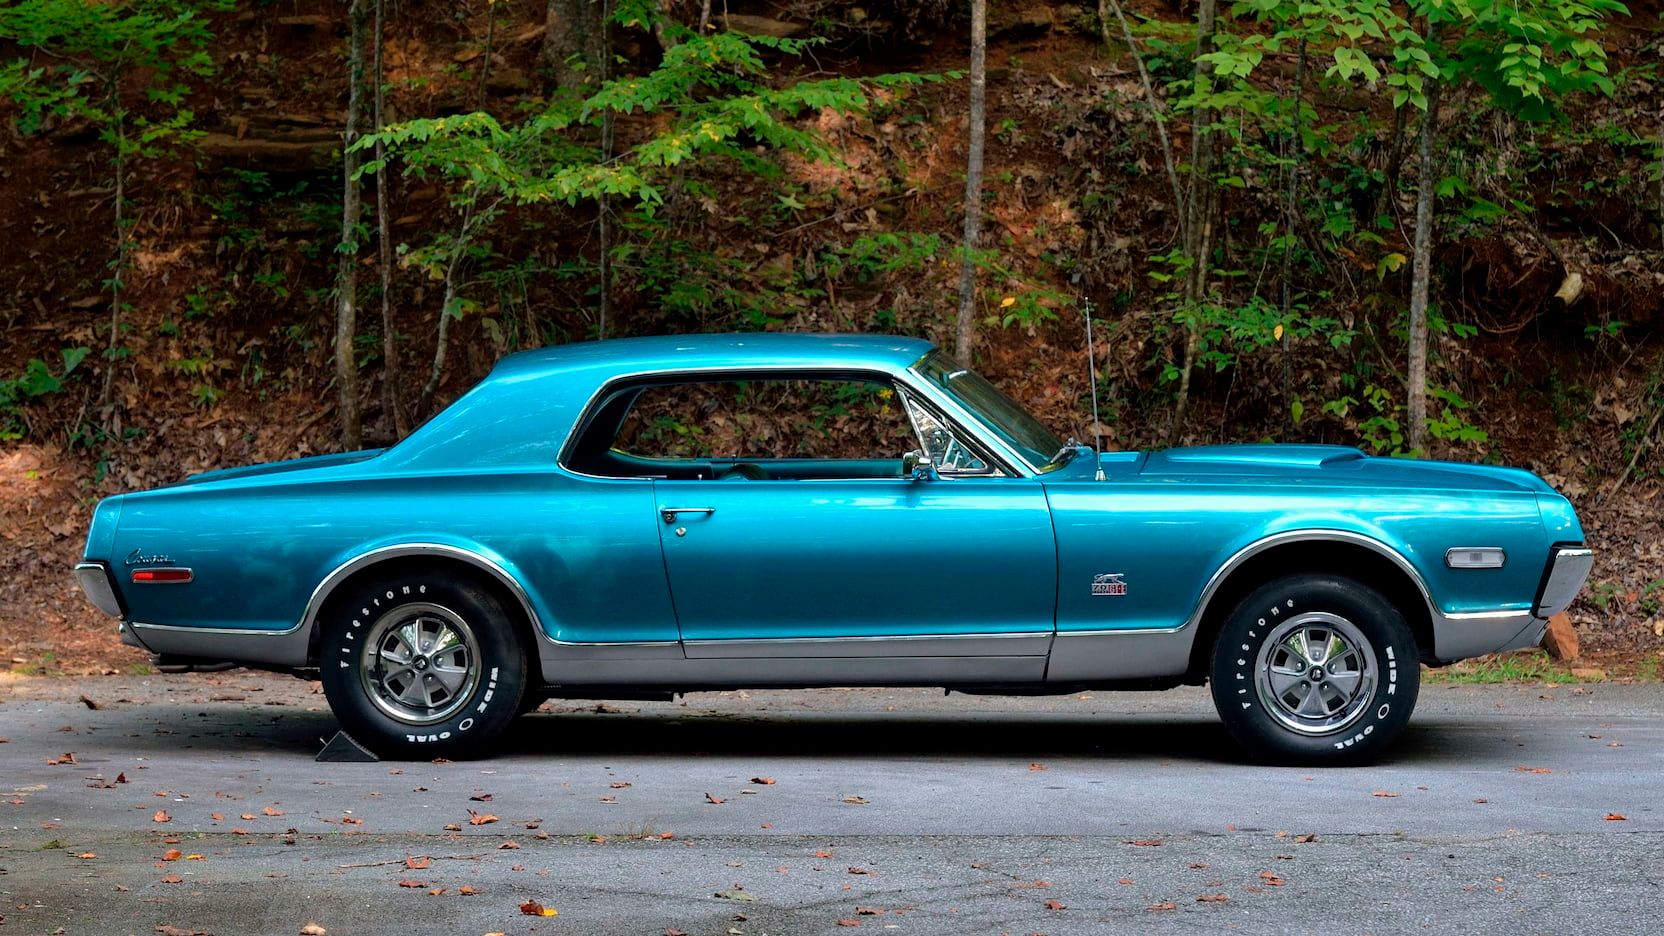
(1331, 464)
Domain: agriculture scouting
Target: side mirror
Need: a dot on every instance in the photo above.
(919, 467)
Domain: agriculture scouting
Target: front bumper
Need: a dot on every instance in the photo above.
(1459, 636)
(1568, 568)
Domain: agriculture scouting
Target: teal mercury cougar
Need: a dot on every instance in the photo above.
(642, 517)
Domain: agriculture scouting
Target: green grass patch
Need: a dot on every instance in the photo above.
(1519, 666)
(47, 665)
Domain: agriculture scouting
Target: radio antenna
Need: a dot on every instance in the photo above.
(1092, 374)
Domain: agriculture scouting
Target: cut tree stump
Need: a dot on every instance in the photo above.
(1561, 639)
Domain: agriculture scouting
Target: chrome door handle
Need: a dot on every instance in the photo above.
(669, 513)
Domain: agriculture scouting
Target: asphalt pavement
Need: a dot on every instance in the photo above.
(192, 804)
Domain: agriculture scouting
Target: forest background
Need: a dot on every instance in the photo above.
(234, 232)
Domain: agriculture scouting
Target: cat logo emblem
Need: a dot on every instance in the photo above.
(1109, 584)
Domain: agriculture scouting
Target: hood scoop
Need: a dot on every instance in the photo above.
(1251, 457)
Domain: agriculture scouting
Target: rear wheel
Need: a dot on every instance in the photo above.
(1315, 669)
(421, 664)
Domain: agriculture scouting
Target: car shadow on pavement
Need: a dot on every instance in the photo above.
(879, 735)
(241, 731)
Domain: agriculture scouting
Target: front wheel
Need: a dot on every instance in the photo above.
(422, 664)
(1315, 669)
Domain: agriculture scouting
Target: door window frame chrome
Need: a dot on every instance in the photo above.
(1002, 461)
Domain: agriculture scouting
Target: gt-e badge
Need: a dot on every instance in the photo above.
(1109, 584)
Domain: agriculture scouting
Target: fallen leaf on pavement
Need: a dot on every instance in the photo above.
(854, 870)
(166, 930)
(1036, 768)
(172, 879)
(87, 855)
(418, 864)
(412, 884)
(1164, 905)
(1212, 898)
(217, 817)
(1305, 837)
(481, 797)
(270, 811)
(161, 816)
(172, 854)
(856, 800)
(68, 757)
(620, 784)
(467, 890)
(735, 894)
(1532, 770)
(1144, 843)
(1385, 794)
(475, 818)
(765, 781)
(673, 931)
(121, 778)
(1616, 817)
(1055, 905)
(452, 827)
(849, 922)
(510, 844)
(313, 929)
(89, 703)
(533, 908)
(868, 911)
(715, 800)
(1272, 878)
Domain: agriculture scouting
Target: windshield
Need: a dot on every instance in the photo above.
(998, 412)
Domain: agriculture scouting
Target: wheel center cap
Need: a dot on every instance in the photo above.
(1315, 674)
(420, 663)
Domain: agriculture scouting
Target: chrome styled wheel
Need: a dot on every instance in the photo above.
(1314, 673)
(421, 662)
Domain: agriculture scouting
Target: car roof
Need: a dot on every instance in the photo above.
(705, 352)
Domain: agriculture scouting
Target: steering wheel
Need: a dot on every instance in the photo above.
(744, 471)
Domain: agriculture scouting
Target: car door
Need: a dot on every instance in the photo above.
(851, 562)
(800, 555)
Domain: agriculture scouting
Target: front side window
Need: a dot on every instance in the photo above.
(748, 429)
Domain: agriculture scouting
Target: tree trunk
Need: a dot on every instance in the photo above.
(572, 46)
(384, 248)
(1291, 172)
(1199, 211)
(346, 280)
(603, 205)
(1426, 179)
(966, 330)
(1158, 115)
(107, 396)
(1395, 162)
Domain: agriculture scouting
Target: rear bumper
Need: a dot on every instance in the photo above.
(99, 587)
